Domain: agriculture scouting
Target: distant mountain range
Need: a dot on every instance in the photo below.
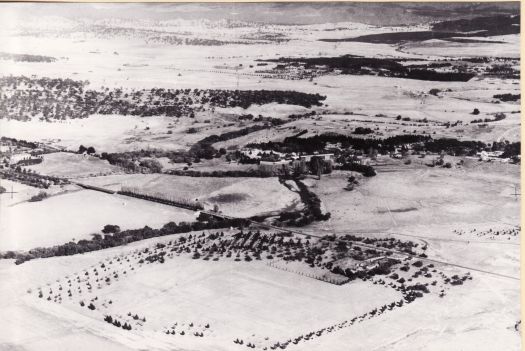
(380, 14)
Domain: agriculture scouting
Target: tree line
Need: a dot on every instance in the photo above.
(123, 237)
(221, 174)
(419, 143)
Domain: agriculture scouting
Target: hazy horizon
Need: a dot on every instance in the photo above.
(271, 13)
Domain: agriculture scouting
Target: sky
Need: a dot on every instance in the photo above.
(273, 13)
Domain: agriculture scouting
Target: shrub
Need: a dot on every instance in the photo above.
(361, 130)
(110, 228)
(417, 264)
(39, 197)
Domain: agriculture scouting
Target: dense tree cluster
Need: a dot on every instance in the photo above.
(178, 40)
(363, 130)
(366, 170)
(38, 197)
(26, 57)
(454, 147)
(511, 150)
(244, 98)
(18, 142)
(505, 71)
(419, 143)
(358, 65)
(311, 212)
(152, 164)
(507, 97)
(89, 150)
(318, 143)
(142, 161)
(317, 165)
(22, 98)
(111, 229)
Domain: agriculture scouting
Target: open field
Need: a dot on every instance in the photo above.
(68, 165)
(463, 318)
(226, 295)
(21, 192)
(116, 133)
(77, 215)
(242, 197)
(425, 195)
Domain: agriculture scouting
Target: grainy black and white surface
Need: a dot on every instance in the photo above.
(303, 176)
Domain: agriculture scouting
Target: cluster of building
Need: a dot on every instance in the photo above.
(12, 153)
(294, 162)
(276, 162)
(488, 156)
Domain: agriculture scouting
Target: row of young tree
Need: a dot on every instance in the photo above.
(31, 178)
(30, 161)
(109, 319)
